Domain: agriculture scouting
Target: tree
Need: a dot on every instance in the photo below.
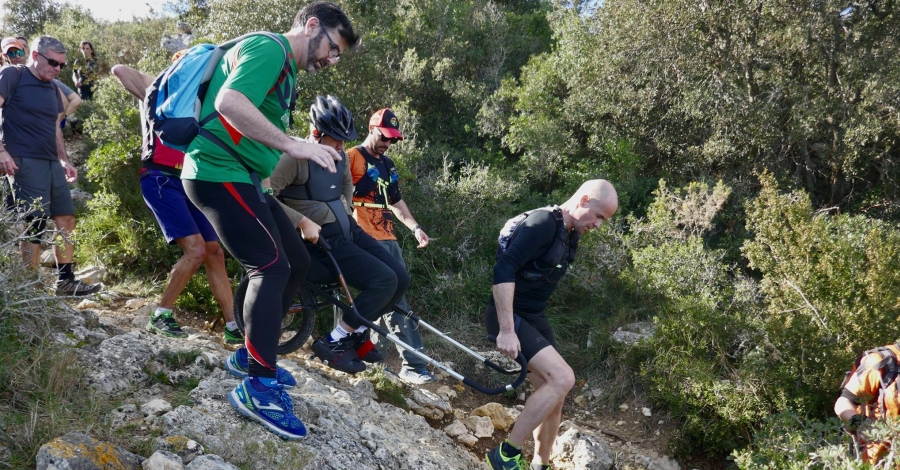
(28, 17)
(723, 89)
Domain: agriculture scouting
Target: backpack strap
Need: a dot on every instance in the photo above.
(283, 93)
(15, 82)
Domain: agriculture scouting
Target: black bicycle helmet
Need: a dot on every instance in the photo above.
(332, 118)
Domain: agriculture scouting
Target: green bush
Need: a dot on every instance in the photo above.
(792, 442)
(729, 349)
(830, 284)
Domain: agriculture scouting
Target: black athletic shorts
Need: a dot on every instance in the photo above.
(534, 331)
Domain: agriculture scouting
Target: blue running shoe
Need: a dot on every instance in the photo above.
(273, 408)
(237, 365)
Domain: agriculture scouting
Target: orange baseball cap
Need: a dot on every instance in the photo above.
(11, 42)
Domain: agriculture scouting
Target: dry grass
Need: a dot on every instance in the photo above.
(42, 389)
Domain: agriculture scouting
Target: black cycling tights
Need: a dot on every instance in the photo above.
(261, 237)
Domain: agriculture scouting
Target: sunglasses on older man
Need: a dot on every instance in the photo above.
(52, 62)
(13, 53)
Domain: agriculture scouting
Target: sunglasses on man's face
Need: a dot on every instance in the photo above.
(13, 53)
(52, 62)
(393, 140)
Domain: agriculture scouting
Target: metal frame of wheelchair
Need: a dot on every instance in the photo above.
(298, 322)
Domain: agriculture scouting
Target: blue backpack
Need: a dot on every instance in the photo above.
(174, 100)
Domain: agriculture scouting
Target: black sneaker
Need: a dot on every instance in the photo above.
(365, 348)
(75, 287)
(340, 355)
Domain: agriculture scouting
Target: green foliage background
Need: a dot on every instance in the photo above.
(753, 145)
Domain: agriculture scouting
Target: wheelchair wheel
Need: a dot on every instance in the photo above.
(296, 324)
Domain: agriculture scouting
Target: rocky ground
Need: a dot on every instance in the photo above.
(173, 394)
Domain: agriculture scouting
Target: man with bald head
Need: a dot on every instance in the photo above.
(536, 249)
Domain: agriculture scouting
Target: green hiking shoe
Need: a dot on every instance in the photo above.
(233, 336)
(164, 324)
(498, 461)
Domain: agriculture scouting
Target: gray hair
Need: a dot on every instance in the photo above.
(48, 43)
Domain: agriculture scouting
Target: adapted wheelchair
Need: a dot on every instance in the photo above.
(298, 322)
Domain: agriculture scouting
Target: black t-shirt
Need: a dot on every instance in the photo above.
(534, 235)
(30, 111)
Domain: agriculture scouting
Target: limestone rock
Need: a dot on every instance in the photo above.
(502, 418)
(445, 392)
(426, 403)
(210, 462)
(651, 461)
(77, 451)
(467, 439)
(162, 460)
(581, 450)
(80, 197)
(135, 303)
(123, 415)
(87, 303)
(91, 275)
(580, 401)
(363, 387)
(456, 428)
(481, 426)
(634, 332)
(187, 449)
(176, 42)
(156, 407)
(48, 258)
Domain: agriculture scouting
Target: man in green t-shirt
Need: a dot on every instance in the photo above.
(250, 90)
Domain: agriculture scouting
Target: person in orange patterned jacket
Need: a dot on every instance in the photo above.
(869, 393)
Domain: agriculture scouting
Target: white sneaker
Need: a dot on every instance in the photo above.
(417, 377)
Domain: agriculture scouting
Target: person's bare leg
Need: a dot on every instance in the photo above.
(545, 434)
(65, 251)
(31, 254)
(219, 283)
(544, 404)
(194, 249)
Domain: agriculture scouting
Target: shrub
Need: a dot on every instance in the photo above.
(703, 311)
(830, 283)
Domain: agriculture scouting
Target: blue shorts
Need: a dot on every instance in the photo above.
(178, 217)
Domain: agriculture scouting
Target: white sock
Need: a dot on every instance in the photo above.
(231, 325)
(338, 333)
(161, 310)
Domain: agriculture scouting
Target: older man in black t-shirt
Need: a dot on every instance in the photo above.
(33, 156)
(535, 251)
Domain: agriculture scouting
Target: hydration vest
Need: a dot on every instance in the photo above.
(380, 184)
(323, 186)
(554, 261)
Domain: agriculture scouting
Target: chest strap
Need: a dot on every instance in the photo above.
(370, 205)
